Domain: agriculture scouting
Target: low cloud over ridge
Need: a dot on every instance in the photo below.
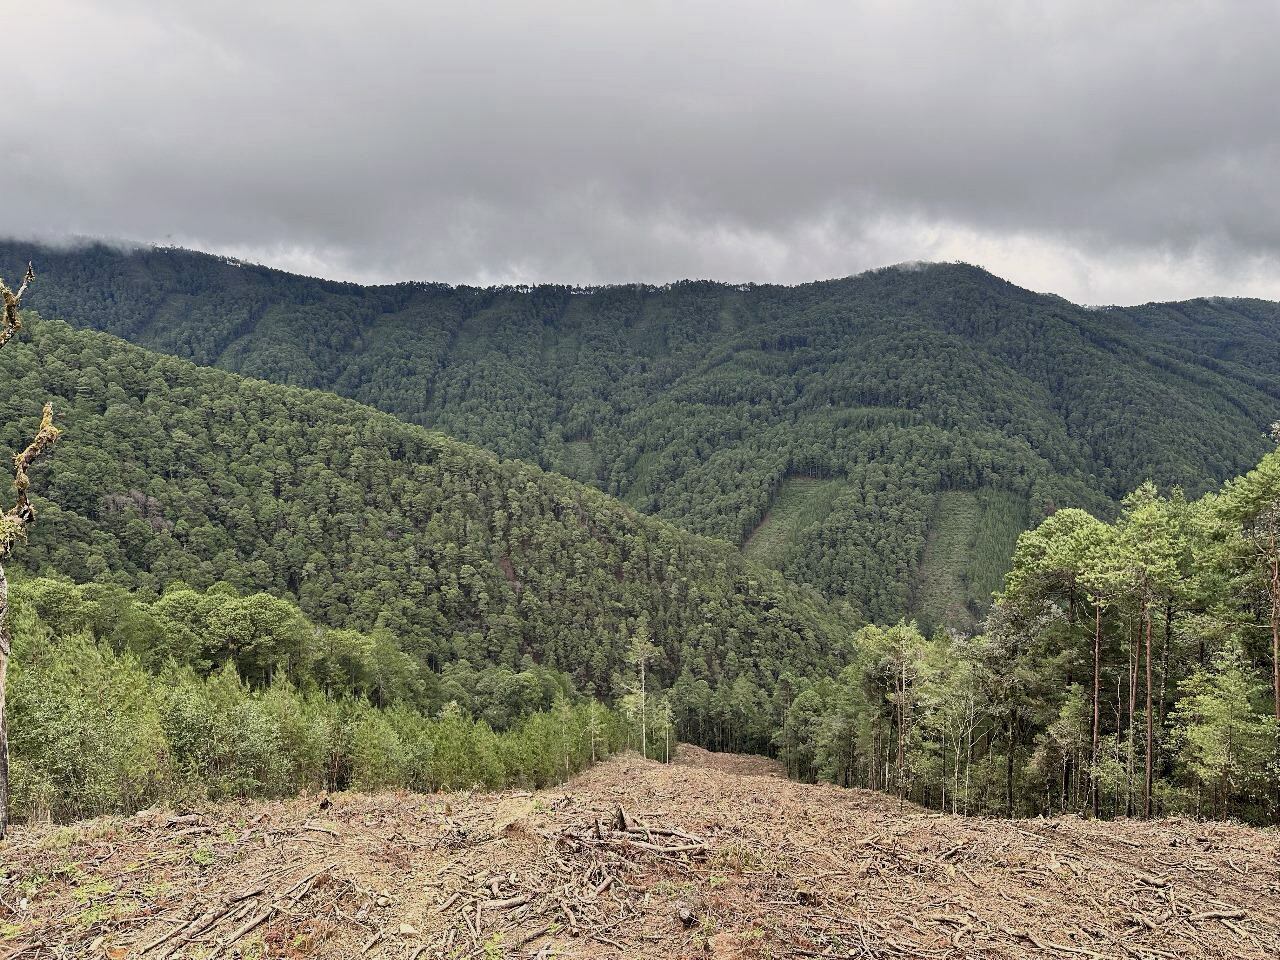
(1109, 154)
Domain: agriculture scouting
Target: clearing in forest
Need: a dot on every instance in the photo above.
(711, 856)
(801, 502)
(967, 551)
(578, 460)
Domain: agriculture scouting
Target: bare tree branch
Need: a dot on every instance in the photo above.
(12, 322)
(13, 523)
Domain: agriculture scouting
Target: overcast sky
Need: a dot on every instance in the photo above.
(1109, 152)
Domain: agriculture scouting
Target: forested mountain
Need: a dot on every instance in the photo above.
(883, 437)
(335, 578)
(169, 474)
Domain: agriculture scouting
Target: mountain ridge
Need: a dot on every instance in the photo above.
(78, 244)
(696, 401)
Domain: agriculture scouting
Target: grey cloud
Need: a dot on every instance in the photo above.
(1106, 152)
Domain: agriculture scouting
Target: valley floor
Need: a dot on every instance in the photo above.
(718, 856)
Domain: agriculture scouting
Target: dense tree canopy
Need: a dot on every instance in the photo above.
(437, 553)
(1127, 668)
(120, 701)
(948, 408)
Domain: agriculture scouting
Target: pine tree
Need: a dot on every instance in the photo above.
(1224, 743)
(640, 654)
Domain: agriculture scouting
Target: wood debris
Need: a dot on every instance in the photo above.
(710, 857)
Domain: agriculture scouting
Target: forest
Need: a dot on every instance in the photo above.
(283, 590)
(1129, 668)
(919, 396)
(118, 702)
(288, 557)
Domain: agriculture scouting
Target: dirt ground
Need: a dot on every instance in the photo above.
(713, 856)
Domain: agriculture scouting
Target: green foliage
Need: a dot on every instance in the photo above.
(87, 734)
(939, 591)
(107, 718)
(695, 401)
(1224, 743)
(285, 590)
(442, 558)
(970, 539)
(1176, 599)
(800, 503)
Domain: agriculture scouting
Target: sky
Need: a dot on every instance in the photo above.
(1106, 152)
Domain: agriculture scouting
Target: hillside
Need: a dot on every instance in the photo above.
(171, 474)
(712, 405)
(723, 859)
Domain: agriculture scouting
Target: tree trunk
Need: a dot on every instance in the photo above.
(874, 772)
(1097, 681)
(1119, 750)
(1275, 629)
(902, 722)
(1165, 644)
(1135, 642)
(968, 770)
(852, 760)
(592, 722)
(22, 514)
(644, 709)
(1146, 789)
(5, 640)
(955, 792)
(1008, 771)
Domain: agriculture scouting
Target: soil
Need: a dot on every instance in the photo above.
(713, 856)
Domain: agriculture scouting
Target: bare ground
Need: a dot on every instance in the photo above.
(717, 856)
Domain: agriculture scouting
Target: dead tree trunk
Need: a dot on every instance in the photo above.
(13, 529)
(5, 643)
(1275, 628)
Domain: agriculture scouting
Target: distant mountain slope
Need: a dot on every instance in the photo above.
(171, 472)
(698, 402)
